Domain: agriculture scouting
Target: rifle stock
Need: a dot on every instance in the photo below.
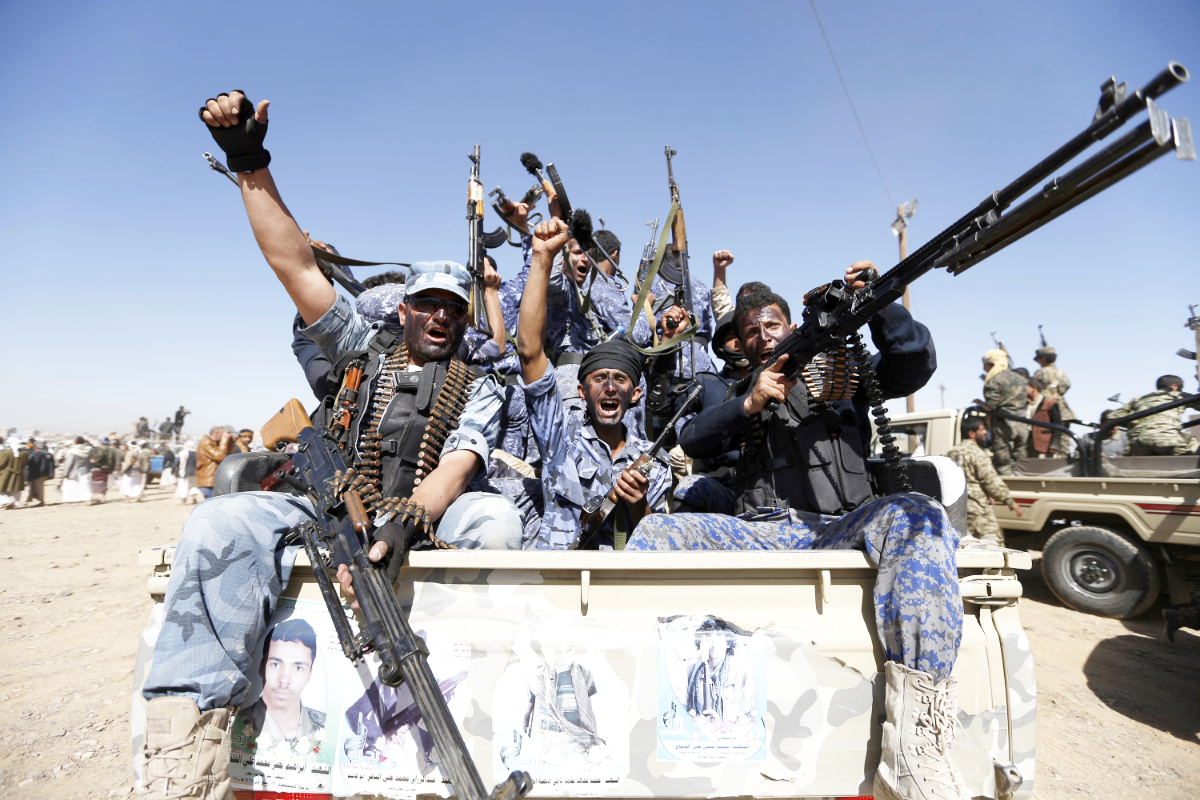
(285, 426)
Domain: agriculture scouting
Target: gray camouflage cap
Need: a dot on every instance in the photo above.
(446, 275)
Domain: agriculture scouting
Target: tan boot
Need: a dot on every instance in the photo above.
(186, 753)
(916, 764)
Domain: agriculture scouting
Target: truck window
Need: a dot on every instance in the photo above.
(910, 438)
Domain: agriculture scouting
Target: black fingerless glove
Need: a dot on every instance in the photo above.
(242, 144)
(398, 537)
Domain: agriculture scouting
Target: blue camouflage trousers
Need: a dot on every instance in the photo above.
(908, 537)
(229, 568)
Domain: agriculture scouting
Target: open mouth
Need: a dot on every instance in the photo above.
(609, 406)
(437, 334)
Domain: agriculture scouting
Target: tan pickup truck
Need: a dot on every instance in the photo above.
(798, 627)
(1114, 532)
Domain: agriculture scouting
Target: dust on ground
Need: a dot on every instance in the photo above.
(1119, 707)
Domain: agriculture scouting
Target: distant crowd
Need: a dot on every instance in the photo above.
(93, 470)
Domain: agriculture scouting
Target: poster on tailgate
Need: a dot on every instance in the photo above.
(284, 734)
(383, 748)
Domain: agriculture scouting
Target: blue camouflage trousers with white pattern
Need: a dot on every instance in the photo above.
(908, 537)
(229, 568)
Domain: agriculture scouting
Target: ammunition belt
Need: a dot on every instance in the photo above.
(831, 376)
(443, 419)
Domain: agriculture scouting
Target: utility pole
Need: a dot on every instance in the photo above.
(942, 389)
(900, 228)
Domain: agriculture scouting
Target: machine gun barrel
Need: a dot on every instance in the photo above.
(832, 313)
(340, 535)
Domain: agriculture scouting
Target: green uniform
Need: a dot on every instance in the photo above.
(1158, 434)
(983, 486)
(1006, 392)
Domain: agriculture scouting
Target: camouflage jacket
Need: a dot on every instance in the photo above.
(476, 348)
(1006, 392)
(577, 465)
(682, 362)
(568, 329)
(983, 482)
(1057, 384)
(1156, 424)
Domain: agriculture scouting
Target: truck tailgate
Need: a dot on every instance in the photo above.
(620, 640)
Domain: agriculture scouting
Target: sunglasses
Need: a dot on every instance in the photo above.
(455, 309)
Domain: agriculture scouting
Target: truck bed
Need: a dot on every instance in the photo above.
(799, 628)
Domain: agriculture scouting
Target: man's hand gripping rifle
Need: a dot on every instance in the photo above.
(341, 534)
(599, 508)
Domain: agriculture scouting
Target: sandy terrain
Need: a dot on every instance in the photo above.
(1119, 706)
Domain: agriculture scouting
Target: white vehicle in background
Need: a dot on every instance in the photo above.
(1114, 532)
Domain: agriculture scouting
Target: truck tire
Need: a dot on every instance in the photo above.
(1100, 572)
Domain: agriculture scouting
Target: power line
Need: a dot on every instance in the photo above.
(861, 130)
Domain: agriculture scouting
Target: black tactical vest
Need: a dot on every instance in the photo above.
(403, 425)
(804, 455)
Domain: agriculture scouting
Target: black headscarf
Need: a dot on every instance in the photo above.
(616, 354)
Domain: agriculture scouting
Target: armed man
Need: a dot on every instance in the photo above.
(232, 560)
(710, 487)
(1004, 390)
(588, 305)
(1159, 434)
(1057, 384)
(586, 453)
(984, 485)
(802, 484)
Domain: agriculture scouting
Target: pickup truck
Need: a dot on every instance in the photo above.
(1114, 533)
(798, 628)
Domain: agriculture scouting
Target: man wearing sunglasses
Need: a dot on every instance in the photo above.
(586, 453)
(232, 563)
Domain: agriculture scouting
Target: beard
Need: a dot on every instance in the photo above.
(440, 348)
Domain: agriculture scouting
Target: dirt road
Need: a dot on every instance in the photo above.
(1119, 707)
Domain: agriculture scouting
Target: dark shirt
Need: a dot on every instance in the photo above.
(41, 465)
(905, 362)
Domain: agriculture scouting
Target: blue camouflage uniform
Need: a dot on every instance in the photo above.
(577, 465)
(908, 537)
(231, 562)
(568, 330)
(681, 365)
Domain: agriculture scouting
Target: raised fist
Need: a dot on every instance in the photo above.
(238, 129)
(549, 236)
(722, 259)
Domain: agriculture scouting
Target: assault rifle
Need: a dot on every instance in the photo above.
(340, 534)
(833, 314)
(504, 207)
(599, 508)
(476, 246)
(679, 246)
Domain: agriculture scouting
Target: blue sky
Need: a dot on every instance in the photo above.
(133, 284)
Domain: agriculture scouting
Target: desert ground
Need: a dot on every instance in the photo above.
(1119, 706)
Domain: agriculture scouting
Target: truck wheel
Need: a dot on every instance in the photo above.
(1100, 572)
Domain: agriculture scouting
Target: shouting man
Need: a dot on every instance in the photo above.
(585, 453)
(232, 562)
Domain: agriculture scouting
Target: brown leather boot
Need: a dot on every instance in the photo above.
(186, 753)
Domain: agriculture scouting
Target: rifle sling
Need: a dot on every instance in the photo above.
(651, 273)
(334, 258)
